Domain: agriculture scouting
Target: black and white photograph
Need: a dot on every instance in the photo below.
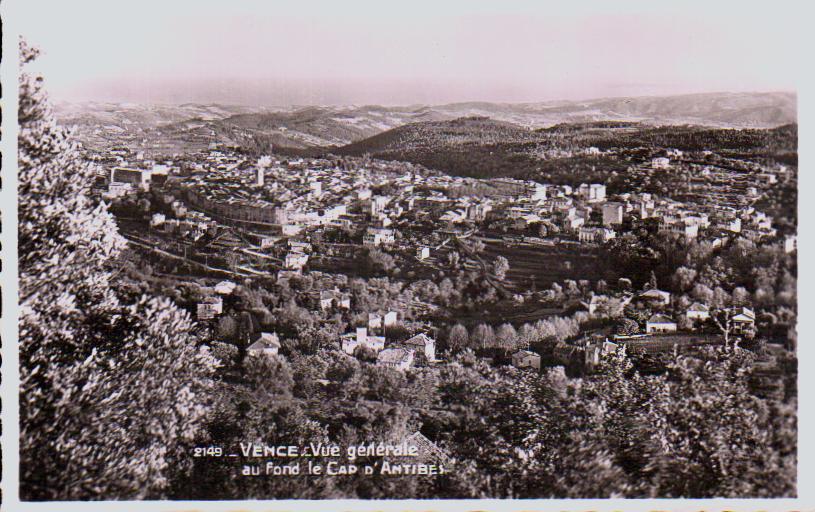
(316, 250)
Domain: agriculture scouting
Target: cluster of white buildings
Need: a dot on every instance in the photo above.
(399, 355)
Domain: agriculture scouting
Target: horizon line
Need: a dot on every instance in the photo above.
(794, 93)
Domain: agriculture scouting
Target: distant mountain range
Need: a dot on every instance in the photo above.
(326, 127)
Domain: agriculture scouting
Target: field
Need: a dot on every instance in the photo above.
(667, 342)
(538, 267)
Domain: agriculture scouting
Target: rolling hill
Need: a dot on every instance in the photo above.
(165, 127)
(481, 147)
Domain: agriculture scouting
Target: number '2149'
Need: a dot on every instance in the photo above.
(208, 451)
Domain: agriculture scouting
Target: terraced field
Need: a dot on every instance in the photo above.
(544, 265)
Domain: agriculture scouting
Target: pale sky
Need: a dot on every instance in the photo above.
(302, 52)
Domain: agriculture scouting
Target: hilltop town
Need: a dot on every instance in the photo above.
(400, 265)
(351, 251)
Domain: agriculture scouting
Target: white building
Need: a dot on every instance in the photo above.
(378, 236)
(374, 321)
(697, 311)
(424, 344)
(538, 192)
(291, 229)
(331, 298)
(572, 223)
(683, 229)
(268, 344)
(263, 162)
(597, 192)
(118, 190)
(209, 308)
(593, 193)
(398, 358)
(295, 261)
(378, 204)
(654, 296)
(660, 324)
(350, 342)
(526, 359)
(390, 318)
(268, 241)
(612, 214)
(743, 319)
(299, 246)
(733, 225)
(661, 163)
(315, 188)
(595, 235)
(596, 350)
(225, 288)
(478, 211)
(157, 220)
(179, 209)
(138, 178)
(790, 243)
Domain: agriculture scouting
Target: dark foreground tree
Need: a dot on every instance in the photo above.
(110, 392)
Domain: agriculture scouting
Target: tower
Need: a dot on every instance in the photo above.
(263, 162)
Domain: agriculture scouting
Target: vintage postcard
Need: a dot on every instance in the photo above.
(317, 255)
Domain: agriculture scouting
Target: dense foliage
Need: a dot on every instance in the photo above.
(110, 390)
(695, 431)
